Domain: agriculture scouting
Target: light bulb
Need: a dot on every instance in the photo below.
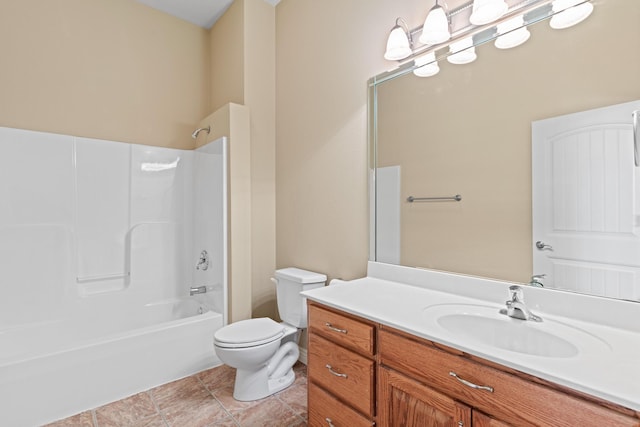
(436, 27)
(398, 46)
(428, 66)
(462, 52)
(569, 13)
(512, 33)
(485, 11)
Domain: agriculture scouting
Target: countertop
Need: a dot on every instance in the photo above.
(610, 371)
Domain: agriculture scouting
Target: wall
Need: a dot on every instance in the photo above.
(243, 72)
(114, 70)
(226, 53)
(326, 52)
(233, 121)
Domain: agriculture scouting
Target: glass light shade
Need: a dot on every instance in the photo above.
(428, 65)
(398, 46)
(436, 27)
(485, 11)
(569, 14)
(512, 33)
(462, 52)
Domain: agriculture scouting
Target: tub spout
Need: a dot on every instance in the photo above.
(197, 290)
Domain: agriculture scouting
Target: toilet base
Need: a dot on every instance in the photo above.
(254, 385)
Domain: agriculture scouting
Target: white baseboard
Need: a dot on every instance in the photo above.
(303, 355)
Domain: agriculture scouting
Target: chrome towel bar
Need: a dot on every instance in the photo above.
(455, 198)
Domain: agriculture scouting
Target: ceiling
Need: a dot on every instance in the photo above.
(203, 13)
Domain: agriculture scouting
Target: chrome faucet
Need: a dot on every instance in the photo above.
(516, 308)
(536, 280)
(197, 290)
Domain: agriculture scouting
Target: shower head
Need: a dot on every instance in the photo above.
(195, 133)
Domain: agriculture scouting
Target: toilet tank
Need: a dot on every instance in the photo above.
(292, 307)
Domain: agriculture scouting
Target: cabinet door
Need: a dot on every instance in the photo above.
(482, 420)
(408, 403)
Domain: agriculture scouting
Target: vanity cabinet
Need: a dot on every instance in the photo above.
(361, 373)
(340, 369)
(493, 395)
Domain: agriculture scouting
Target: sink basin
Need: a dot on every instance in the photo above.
(486, 326)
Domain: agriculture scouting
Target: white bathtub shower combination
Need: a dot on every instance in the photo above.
(99, 243)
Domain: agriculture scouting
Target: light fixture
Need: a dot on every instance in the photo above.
(399, 43)
(462, 52)
(512, 33)
(485, 11)
(569, 13)
(428, 66)
(436, 26)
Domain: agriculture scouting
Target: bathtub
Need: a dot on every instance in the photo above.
(53, 369)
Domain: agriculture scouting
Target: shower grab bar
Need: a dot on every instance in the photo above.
(455, 198)
(88, 279)
(636, 158)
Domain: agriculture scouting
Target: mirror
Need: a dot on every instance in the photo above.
(467, 131)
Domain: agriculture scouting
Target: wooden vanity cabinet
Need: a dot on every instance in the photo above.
(496, 397)
(340, 369)
(396, 379)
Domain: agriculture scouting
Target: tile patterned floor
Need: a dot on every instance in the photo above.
(202, 400)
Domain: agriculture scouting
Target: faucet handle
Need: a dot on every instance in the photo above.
(516, 293)
(536, 280)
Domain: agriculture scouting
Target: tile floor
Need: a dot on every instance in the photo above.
(202, 400)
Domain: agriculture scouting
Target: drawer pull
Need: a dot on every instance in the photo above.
(333, 328)
(337, 374)
(329, 422)
(470, 384)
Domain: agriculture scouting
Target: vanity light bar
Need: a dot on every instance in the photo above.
(532, 10)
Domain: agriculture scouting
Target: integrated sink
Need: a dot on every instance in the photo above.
(484, 325)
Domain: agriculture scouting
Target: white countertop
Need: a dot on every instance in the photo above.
(610, 371)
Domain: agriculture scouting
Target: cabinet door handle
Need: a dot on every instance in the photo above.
(470, 384)
(329, 422)
(337, 374)
(333, 328)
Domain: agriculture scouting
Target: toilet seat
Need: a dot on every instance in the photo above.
(249, 333)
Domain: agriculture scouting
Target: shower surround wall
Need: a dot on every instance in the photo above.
(99, 240)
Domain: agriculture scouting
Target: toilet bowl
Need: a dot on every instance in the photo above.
(262, 350)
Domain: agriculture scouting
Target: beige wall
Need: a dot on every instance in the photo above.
(114, 70)
(227, 53)
(326, 52)
(260, 97)
(233, 121)
(243, 71)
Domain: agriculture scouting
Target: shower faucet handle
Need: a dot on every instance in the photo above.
(203, 261)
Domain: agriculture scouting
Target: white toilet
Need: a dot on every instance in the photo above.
(262, 350)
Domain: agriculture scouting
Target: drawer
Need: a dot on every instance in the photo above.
(347, 375)
(512, 399)
(325, 410)
(341, 329)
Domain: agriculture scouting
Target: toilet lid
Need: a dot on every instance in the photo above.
(249, 332)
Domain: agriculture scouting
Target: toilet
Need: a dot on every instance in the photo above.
(262, 350)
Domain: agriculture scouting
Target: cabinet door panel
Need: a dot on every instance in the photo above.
(405, 402)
